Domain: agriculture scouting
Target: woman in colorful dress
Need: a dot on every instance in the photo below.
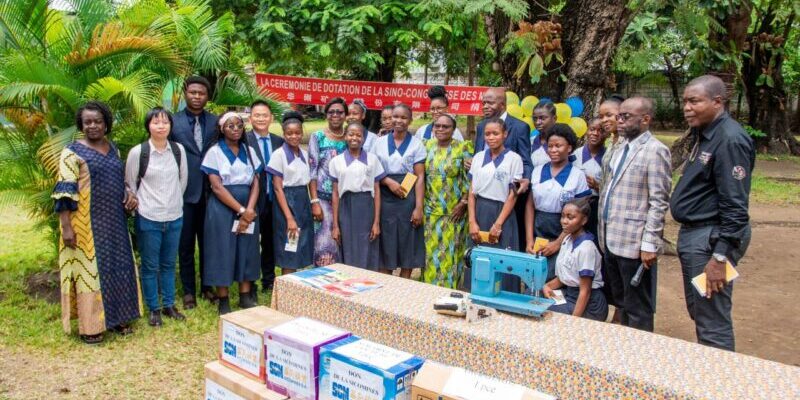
(446, 188)
(99, 281)
(323, 146)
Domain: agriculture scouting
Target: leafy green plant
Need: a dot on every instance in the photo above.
(754, 133)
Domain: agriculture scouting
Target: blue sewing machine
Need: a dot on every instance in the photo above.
(488, 266)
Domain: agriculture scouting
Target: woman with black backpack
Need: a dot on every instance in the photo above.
(156, 172)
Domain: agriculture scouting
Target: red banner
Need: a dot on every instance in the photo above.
(464, 100)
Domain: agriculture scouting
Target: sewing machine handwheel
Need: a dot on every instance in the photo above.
(467, 256)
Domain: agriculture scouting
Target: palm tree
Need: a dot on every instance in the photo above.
(52, 61)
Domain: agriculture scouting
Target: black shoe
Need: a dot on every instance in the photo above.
(254, 294)
(246, 300)
(155, 318)
(172, 312)
(265, 286)
(189, 302)
(210, 296)
(224, 305)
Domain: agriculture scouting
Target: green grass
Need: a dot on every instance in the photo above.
(781, 157)
(771, 191)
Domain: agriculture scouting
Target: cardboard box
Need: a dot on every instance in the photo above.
(241, 339)
(356, 368)
(226, 384)
(292, 351)
(440, 382)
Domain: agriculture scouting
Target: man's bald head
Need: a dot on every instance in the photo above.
(635, 115)
(711, 85)
(494, 102)
(642, 105)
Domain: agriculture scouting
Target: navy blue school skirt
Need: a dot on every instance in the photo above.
(401, 245)
(596, 308)
(300, 206)
(229, 257)
(356, 214)
(548, 225)
(486, 213)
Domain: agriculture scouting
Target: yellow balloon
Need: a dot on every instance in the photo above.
(529, 121)
(563, 113)
(516, 111)
(528, 103)
(578, 125)
(512, 98)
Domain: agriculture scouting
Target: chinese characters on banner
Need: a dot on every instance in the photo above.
(464, 100)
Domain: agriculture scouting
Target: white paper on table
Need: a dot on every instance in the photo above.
(250, 228)
(558, 296)
(468, 385)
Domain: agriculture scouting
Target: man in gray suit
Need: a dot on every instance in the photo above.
(194, 128)
(632, 207)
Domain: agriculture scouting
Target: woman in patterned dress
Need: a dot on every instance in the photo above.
(99, 281)
(323, 146)
(446, 186)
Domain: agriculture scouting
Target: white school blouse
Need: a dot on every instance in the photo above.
(293, 169)
(577, 259)
(424, 128)
(492, 179)
(551, 192)
(356, 175)
(591, 166)
(232, 169)
(370, 141)
(399, 160)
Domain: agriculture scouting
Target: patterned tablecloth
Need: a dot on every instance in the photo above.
(568, 357)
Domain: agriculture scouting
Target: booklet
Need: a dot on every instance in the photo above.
(539, 244)
(408, 183)
(333, 281)
(558, 296)
(699, 281)
(484, 236)
(291, 243)
(250, 228)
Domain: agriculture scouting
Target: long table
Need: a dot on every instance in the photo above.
(562, 355)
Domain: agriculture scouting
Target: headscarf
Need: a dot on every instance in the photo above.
(227, 116)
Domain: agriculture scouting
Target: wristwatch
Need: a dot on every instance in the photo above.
(241, 211)
(720, 257)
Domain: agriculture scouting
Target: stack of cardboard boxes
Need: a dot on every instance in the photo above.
(267, 355)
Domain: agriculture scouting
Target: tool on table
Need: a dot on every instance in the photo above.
(489, 265)
(455, 304)
(477, 312)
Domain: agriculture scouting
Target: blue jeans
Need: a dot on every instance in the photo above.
(158, 248)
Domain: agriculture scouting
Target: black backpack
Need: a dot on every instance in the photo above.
(144, 158)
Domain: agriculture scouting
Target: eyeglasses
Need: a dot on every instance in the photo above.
(625, 116)
(438, 109)
(232, 126)
(335, 112)
(442, 126)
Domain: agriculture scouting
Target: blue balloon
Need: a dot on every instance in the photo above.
(576, 104)
(545, 100)
(534, 133)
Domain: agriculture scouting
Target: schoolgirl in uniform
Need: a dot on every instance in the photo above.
(357, 112)
(544, 119)
(402, 236)
(578, 267)
(357, 201)
(439, 106)
(493, 174)
(589, 159)
(552, 185)
(291, 219)
(231, 255)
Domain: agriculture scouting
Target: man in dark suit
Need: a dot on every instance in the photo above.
(265, 143)
(194, 128)
(518, 141)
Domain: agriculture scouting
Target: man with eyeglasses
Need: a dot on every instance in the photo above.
(711, 204)
(632, 208)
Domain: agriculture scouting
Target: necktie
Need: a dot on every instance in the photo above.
(617, 171)
(266, 153)
(198, 133)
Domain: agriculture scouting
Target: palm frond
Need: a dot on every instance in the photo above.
(24, 78)
(23, 23)
(139, 89)
(50, 152)
(210, 47)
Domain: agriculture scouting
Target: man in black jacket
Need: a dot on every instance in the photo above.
(710, 202)
(194, 128)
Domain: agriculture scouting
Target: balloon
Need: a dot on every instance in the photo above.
(516, 111)
(528, 103)
(578, 125)
(576, 105)
(563, 113)
(529, 121)
(512, 98)
(534, 133)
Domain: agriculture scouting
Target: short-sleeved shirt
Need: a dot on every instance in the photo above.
(577, 259)
(232, 169)
(591, 166)
(399, 160)
(370, 141)
(539, 154)
(551, 192)
(425, 132)
(357, 175)
(293, 169)
(492, 179)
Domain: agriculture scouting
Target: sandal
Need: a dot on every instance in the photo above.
(123, 330)
(92, 339)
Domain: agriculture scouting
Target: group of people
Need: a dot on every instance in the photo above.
(252, 200)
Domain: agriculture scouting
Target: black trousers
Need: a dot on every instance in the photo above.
(191, 234)
(637, 305)
(267, 247)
